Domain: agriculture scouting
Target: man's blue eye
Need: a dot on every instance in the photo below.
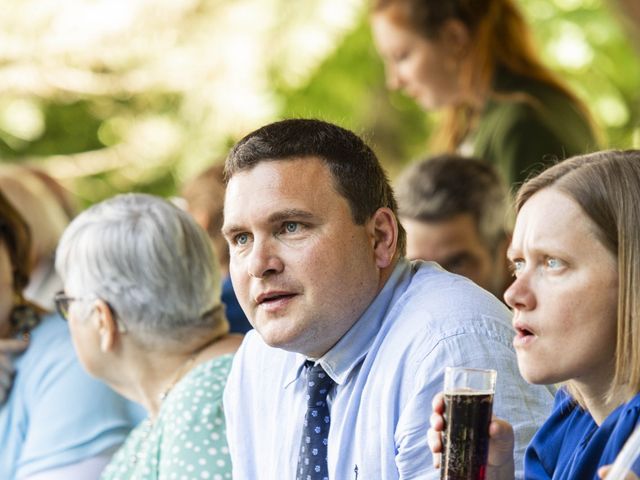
(291, 227)
(242, 239)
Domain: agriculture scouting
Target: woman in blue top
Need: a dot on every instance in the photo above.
(576, 259)
(55, 421)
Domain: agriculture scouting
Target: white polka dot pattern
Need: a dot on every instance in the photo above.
(187, 439)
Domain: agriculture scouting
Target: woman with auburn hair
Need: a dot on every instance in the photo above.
(475, 60)
(575, 254)
(55, 421)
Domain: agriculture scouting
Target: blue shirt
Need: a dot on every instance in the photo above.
(56, 414)
(387, 368)
(570, 445)
(238, 322)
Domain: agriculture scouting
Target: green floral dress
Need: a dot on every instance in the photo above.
(188, 438)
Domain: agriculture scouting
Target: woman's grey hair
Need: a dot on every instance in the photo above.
(149, 261)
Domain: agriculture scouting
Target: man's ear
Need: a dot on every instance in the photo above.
(106, 324)
(384, 233)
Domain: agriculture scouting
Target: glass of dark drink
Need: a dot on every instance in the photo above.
(468, 400)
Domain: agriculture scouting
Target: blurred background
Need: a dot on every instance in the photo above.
(118, 95)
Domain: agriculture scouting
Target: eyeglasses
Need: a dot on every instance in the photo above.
(63, 302)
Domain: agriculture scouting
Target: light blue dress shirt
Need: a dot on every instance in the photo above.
(387, 369)
(56, 414)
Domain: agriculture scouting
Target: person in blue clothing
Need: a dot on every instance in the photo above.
(204, 198)
(575, 254)
(343, 321)
(55, 422)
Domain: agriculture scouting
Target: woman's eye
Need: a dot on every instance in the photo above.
(553, 262)
(517, 266)
(400, 56)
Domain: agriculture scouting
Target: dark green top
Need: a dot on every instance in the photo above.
(522, 136)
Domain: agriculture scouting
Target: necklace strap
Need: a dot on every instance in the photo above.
(186, 366)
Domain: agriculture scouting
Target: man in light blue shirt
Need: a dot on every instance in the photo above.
(317, 262)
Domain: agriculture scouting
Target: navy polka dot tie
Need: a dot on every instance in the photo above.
(312, 462)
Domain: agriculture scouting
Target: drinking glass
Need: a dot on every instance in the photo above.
(468, 399)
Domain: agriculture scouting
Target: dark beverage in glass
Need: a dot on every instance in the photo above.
(468, 399)
(466, 435)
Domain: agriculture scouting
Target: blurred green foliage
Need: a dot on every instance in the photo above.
(608, 77)
(580, 39)
(348, 89)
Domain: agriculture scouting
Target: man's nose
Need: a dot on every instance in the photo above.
(264, 259)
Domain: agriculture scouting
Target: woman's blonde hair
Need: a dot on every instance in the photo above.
(606, 185)
(500, 38)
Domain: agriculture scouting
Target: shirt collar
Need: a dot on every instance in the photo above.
(354, 345)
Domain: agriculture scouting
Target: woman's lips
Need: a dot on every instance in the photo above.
(524, 335)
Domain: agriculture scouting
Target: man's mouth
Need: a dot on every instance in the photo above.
(270, 298)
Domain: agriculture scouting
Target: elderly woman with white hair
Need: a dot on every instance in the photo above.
(56, 423)
(142, 297)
